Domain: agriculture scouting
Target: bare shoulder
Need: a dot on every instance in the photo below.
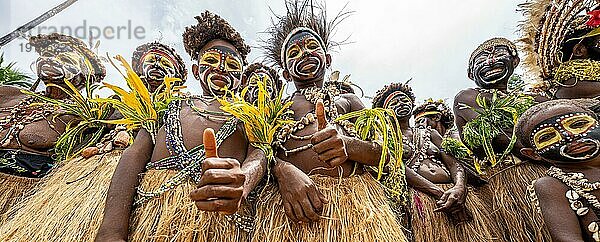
(466, 96)
(9, 91)
(353, 102)
(549, 188)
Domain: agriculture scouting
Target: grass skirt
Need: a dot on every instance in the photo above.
(517, 217)
(173, 216)
(358, 210)
(432, 226)
(69, 204)
(12, 190)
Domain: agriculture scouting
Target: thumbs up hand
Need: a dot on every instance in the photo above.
(327, 142)
(222, 183)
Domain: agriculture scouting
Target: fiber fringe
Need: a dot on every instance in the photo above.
(438, 227)
(12, 191)
(358, 210)
(174, 217)
(512, 208)
(69, 204)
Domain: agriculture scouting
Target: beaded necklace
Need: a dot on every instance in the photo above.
(188, 162)
(579, 195)
(22, 114)
(210, 115)
(580, 70)
(313, 95)
(421, 138)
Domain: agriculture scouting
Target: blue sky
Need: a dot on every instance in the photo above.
(427, 40)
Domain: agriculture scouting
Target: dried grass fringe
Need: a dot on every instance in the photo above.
(438, 227)
(12, 190)
(174, 217)
(358, 210)
(69, 204)
(516, 216)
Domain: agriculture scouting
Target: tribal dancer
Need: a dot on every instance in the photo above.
(155, 61)
(322, 186)
(438, 182)
(28, 133)
(258, 72)
(174, 172)
(70, 200)
(487, 130)
(565, 134)
(436, 115)
(562, 47)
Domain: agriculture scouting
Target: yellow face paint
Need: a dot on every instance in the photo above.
(232, 64)
(164, 62)
(578, 124)
(546, 137)
(211, 58)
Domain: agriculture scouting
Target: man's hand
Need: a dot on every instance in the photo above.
(302, 201)
(222, 182)
(453, 197)
(328, 143)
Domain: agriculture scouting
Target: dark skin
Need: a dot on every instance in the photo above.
(487, 62)
(572, 88)
(224, 182)
(563, 223)
(37, 137)
(155, 67)
(333, 152)
(434, 121)
(429, 173)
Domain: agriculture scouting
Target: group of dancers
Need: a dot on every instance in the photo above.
(512, 159)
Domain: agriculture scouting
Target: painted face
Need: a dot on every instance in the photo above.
(156, 66)
(256, 76)
(305, 57)
(220, 68)
(428, 120)
(571, 137)
(400, 103)
(69, 65)
(492, 67)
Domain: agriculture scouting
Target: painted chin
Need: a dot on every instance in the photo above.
(402, 112)
(582, 149)
(49, 71)
(218, 82)
(308, 67)
(493, 75)
(156, 74)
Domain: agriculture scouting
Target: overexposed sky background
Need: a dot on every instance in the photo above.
(391, 41)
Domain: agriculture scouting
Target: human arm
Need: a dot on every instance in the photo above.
(119, 200)
(302, 201)
(423, 185)
(455, 196)
(560, 220)
(222, 182)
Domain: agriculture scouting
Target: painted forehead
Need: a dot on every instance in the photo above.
(303, 36)
(396, 94)
(222, 49)
(161, 53)
(261, 71)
